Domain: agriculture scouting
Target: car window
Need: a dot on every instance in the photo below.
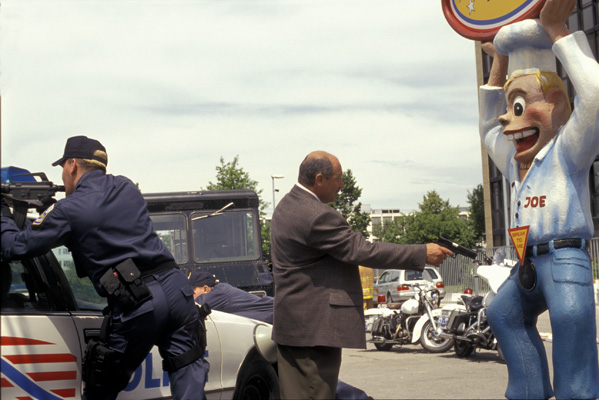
(432, 273)
(385, 277)
(85, 294)
(18, 289)
(413, 275)
(172, 229)
(395, 276)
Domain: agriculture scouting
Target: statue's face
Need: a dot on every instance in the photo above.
(528, 122)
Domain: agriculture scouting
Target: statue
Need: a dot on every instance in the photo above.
(545, 150)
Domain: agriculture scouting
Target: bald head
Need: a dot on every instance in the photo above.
(321, 173)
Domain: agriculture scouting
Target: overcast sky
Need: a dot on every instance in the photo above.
(171, 86)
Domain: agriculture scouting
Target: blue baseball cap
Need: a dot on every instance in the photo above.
(201, 278)
(82, 147)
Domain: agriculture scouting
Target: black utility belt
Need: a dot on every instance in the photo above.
(544, 248)
(162, 269)
(125, 286)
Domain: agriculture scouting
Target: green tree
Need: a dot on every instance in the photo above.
(230, 176)
(389, 231)
(348, 205)
(477, 211)
(435, 217)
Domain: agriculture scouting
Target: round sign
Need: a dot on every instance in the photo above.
(481, 19)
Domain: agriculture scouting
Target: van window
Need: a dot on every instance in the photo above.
(172, 229)
(230, 236)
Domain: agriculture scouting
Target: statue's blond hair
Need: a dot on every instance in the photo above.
(548, 80)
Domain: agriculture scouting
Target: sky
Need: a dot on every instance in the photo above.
(169, 87)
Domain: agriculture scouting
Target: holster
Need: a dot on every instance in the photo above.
(125, 286)
(527, 275)
(100, 363)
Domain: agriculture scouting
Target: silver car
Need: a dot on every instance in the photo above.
(437, 279)
(396, 285)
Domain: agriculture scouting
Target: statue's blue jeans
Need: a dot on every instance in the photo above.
(565, 288)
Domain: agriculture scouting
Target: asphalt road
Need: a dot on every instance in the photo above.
(409, 372)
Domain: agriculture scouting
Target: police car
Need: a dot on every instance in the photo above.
(49, 314)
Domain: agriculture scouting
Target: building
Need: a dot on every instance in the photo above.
(496, 188)
(379, 216)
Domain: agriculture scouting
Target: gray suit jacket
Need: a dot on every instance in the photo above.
(315, 254)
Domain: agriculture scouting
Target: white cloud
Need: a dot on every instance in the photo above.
(171, 86)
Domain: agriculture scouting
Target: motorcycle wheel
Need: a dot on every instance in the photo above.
(383, 346)
(433, 343)
(463, 348)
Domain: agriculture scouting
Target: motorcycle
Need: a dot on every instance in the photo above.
(415, 321)
(466, 322)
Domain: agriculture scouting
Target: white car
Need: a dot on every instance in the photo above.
(48, 315)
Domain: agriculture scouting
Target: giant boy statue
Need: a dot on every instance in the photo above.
(546, 152)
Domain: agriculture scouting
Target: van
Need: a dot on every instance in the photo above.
(215, 231)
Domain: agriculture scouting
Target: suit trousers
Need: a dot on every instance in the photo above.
(308, 372)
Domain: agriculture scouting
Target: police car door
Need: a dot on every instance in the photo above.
(41, 353)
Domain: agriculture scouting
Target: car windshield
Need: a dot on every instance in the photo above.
(172, 229)
(230, 236)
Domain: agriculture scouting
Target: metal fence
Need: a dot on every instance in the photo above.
(459, 272)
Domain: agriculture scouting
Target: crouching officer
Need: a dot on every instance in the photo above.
(105, 224)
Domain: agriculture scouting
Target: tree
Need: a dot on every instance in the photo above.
(230, 176)
(347, 204)
(436, 217)
(477, 211)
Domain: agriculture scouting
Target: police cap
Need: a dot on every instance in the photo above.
(82, 147)
(201, 278)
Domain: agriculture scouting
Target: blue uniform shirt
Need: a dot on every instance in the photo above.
(226, 298)
(103, 222)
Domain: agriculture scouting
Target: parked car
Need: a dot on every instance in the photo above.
(437, 279)
(49, 314)
(396, 285)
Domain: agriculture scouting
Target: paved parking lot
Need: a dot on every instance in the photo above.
(409, 372)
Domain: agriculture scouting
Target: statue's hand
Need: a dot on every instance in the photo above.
(488, 48)
(554, 15)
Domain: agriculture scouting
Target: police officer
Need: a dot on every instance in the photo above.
(105, 224)
(226, 298)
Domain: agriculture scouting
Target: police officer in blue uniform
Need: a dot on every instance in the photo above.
(105, 224)
(226, 298)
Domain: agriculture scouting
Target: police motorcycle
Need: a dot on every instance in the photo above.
(415, 321)
(466, 322)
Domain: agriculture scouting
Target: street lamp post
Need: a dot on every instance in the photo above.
(274, 190)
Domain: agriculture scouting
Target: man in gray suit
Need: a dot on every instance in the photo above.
(318, 294)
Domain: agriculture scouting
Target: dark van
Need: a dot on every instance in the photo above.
(216, 231)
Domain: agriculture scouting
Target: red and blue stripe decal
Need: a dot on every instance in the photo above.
(30, 382)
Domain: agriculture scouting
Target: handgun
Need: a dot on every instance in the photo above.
(456, 248)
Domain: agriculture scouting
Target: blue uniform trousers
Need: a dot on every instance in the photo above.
(170, 321)
(565, 288)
